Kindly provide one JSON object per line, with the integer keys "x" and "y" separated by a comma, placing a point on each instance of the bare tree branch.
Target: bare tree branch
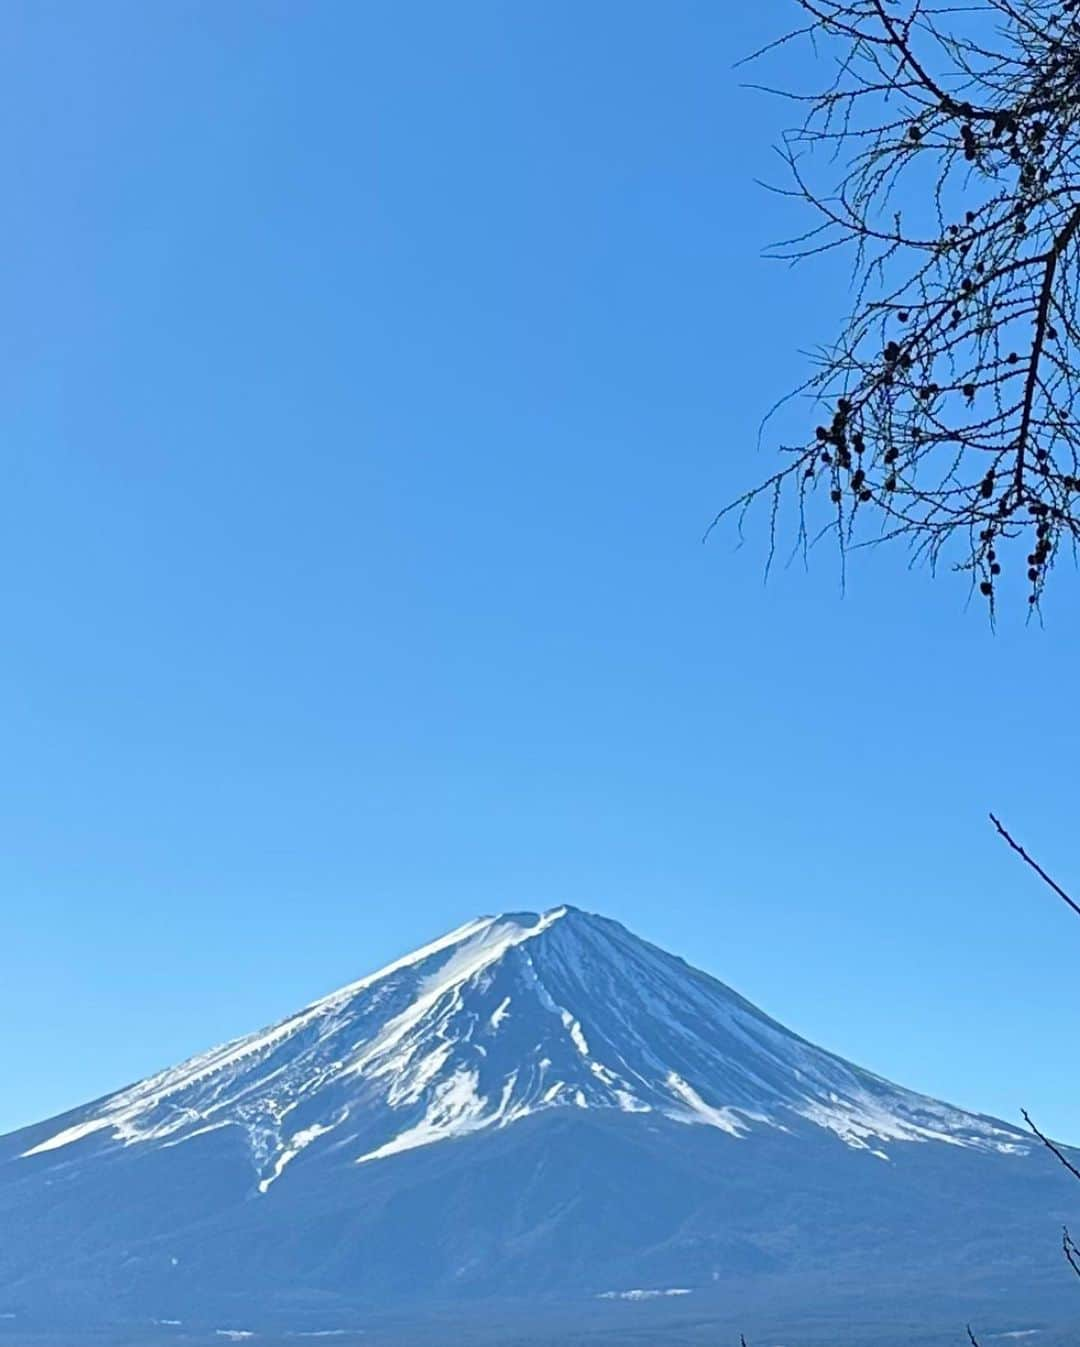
{"x": 1071, "y": 1251}
{"x": 1050, "y": 1146}
{"x": 949, "y": 403}
{"x": 1069, "y": 1247}
{"x": 1028, "y": 860}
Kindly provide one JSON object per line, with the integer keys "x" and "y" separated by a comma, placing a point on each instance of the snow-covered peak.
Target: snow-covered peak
{"x": 506, "y": 1017}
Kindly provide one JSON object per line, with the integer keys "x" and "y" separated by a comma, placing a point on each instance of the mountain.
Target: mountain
{"x": 538, "y": 1128}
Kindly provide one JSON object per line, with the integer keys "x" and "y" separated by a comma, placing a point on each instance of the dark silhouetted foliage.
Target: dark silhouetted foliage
{"x": 942, "y": 149}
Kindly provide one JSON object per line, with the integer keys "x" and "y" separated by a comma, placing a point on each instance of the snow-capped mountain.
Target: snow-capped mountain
{"x": 504, "y": 1018}
{"x": 601, "y": 1119}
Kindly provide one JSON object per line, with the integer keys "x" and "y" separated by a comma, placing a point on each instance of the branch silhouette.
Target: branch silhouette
{"x": 948, "y": 404}
{"x": 1034, "y": 864}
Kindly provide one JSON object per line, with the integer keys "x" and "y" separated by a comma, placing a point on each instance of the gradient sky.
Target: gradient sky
{"x": 369, "y": 375}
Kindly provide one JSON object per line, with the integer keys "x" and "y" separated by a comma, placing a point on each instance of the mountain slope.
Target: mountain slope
{"x": 531, "y": 1106}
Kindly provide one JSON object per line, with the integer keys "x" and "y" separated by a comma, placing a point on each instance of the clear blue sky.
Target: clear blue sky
{"x": 369, "y": 374}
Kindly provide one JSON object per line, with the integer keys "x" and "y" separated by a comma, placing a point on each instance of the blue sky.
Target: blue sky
{"x": 369, "y": 375}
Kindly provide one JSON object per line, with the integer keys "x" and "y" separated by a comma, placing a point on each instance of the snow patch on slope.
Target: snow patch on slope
{"x": 637, "y": 1294}
{"x": 699, "y": 1112}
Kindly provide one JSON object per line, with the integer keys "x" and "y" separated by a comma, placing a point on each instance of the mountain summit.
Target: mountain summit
{"x": 532, "y": 1106}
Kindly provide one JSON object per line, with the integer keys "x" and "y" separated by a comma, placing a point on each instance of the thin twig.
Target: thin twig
{"x": 1070, "y": 1250}
{"x": 1028, "y": 860}
{"x": 1050, "y": 1146}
